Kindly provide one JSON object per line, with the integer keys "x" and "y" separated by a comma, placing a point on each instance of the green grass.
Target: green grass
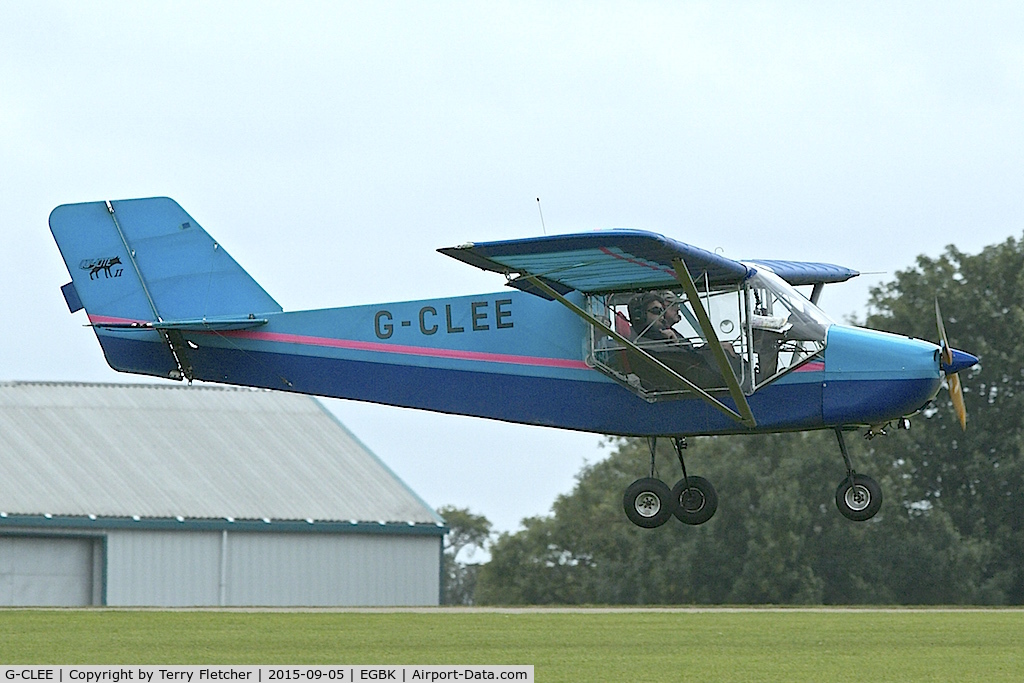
{"x": 744, "y": 645}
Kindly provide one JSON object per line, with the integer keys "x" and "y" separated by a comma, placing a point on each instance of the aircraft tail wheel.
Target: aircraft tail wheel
{"x": 860, "y": 498}
{"x": 697, "y": 502}
{"x": 648, "y": 502}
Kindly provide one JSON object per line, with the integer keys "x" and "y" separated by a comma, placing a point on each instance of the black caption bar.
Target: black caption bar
{"x": 120, "y": 673}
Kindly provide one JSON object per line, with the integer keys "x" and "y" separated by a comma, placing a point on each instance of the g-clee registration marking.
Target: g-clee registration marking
{"x": 483, "y": 316}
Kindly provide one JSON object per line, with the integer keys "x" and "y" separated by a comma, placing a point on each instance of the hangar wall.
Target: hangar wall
{"x": 177, "y": 568}
{"x": 182, "y": 568}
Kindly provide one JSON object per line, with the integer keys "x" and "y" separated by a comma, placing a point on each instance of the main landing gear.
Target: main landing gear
{"x": 649, "y": 502}
{"x": 858, "y": 497}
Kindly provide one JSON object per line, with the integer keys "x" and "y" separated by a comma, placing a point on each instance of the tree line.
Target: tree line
{"x": 951, "y": 527}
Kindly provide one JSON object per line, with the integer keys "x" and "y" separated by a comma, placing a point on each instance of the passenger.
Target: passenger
{"x": 672, "y": 316}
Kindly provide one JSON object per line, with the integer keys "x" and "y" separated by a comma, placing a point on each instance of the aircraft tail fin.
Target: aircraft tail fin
{"x": 146, "y": 265}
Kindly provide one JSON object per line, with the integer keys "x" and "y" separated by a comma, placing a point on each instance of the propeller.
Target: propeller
{"x": 951, "y": 368}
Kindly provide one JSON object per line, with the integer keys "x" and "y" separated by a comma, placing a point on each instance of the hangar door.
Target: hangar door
{"x": 50, "y": 570}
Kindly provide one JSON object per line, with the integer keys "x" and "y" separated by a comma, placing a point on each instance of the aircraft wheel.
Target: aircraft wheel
{"x": 697, "y": 503}
{"x": 860, "y": 499}
{"x": 648, "y": 502}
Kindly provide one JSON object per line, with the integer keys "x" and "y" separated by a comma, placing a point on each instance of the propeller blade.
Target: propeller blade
{"x": 956, "y": 390}
{"x": 947, "y": 352}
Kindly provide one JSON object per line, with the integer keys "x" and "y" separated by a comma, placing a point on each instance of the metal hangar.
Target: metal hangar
{"x": 139, "y": 494}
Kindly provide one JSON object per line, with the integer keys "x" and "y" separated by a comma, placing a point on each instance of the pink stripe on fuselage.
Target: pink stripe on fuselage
{"x": 375, "y": 347}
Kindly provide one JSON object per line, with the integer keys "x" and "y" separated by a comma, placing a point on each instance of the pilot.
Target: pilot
{"x": 653, "y": 316}
{"x": 647, "y": 317}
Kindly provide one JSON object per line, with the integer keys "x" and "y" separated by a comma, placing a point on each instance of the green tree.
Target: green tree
{"x": 977, "y": 477}
{"x": 466, "y": 531}
{"x": 777, "y": 537}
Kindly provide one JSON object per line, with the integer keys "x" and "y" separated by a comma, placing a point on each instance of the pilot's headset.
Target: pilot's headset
{"x": 637, "y": 308}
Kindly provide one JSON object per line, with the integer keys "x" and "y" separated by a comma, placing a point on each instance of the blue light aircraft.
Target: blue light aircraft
{"x": 621, "y": 332}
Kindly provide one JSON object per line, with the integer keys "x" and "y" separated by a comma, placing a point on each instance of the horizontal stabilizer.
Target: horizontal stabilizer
{"x": 196, "y": 325}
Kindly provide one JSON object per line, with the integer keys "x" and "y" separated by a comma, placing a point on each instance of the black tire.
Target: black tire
{"x": 648, "y": 502}
{"x": 860, "y": 499}
{"x": 696, "y": 504}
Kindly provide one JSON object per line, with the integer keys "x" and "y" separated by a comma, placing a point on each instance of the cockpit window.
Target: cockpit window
{"x": 765, "y": 327}
{"x": 787, "y": 329}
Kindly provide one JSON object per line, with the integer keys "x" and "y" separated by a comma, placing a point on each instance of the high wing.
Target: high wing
{"x": 620, "y": 260}
{"x": 598, "y": 262}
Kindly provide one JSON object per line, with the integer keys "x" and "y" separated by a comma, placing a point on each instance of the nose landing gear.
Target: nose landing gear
{"x": 649, "y": 502}
{"x": 859, "y": 497}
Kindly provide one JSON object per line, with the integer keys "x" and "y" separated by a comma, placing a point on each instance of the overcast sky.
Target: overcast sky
{"x": 332, "y": 147}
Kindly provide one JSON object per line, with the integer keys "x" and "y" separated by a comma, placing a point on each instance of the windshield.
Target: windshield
{"x": 785, "y": 328}
{"x": 783, "y": 293}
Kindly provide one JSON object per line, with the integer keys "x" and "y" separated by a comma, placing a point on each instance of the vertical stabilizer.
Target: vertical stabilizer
{"x": 145, "y": 262}
{"x": 147, "y": 259}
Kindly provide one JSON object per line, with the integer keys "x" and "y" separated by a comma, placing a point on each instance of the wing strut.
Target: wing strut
{"x": 683, "y": 275}
{"x": 643, "y": 357}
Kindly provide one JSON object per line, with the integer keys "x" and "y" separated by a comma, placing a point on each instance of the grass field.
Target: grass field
{"x": 588, "y": 645}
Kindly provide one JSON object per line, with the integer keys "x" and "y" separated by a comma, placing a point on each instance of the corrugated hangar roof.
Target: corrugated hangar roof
{"x": 156, "y": 451}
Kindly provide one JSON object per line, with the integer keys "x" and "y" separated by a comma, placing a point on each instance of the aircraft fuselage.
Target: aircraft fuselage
{"x": 516, "y": 357}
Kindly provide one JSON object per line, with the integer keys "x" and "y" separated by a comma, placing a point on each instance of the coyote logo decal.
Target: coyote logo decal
{"x": 95, "y": 266}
